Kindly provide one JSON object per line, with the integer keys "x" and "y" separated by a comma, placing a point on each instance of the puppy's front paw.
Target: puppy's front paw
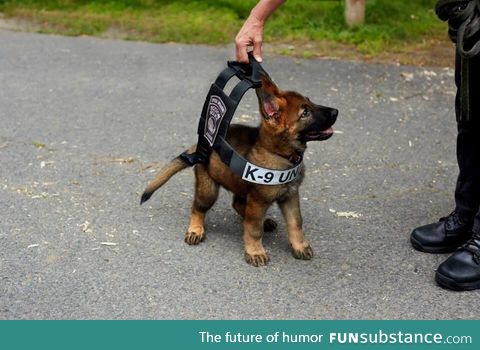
{"x": 269, "y": 225}
{"x": 194, "y": 238}
{"x": 257, "y": 259}
{"x": 305, "y": 253}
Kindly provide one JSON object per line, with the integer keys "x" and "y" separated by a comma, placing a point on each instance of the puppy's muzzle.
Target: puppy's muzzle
{"x": 321, "y": 128}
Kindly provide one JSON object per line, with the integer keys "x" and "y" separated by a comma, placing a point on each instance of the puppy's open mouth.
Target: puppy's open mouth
{"x": 319, "y": 135}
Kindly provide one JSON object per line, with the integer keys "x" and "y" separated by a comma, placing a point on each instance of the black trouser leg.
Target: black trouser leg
{"x": 467, "y": 192}
{"x": 455, "y": 230}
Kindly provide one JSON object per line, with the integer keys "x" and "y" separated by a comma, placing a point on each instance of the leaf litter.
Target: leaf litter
{"x": 345, "y": 214}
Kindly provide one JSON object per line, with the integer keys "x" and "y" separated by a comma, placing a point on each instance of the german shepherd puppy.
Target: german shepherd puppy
{"x": 289, "y": 121}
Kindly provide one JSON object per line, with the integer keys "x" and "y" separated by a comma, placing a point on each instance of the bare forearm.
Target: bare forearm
{"x": 265, "y": 8}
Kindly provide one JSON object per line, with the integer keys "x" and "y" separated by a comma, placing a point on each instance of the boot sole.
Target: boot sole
{"x": 449, "y": 283}
{"x": 434, "y": 250}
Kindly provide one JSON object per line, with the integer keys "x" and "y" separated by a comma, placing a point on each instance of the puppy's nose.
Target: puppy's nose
{"x": 333, "y": 115}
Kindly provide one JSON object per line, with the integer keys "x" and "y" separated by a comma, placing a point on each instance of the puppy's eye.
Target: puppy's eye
{"x": 305, "y": 113}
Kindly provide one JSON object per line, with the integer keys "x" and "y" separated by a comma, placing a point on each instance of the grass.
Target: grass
{"x": 391, "y": 25}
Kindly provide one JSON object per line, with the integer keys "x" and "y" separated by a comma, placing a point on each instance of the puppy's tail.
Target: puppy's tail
{"x": 165, "y": 174}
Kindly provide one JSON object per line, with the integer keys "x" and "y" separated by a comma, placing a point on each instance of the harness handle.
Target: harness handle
{"x": 248, "y": 71}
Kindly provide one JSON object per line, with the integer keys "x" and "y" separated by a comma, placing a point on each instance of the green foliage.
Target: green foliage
{"x": 217, "y": 21}
{"x": 387, "y": 21}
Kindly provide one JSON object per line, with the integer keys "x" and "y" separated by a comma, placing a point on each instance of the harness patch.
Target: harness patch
{"x": 215, "y": 113}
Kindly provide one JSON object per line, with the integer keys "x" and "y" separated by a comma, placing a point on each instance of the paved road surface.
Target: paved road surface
{"x": 85, "y": 123}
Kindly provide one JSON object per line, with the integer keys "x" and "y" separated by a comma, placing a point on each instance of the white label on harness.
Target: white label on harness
{"x": 215, "y": 113}
{"x": 263, "y": 176}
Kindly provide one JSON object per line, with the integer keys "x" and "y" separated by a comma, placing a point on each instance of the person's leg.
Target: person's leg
{"x": 461, "y": 271}
{"x": 451, "y": 232}
{"x": 467, "y": 193}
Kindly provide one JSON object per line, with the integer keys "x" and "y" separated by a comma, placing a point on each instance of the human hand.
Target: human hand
{"x": 251, "y": 34}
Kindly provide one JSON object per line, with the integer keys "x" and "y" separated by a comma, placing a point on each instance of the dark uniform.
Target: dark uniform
{"x": 467, "y": 193}
{"x": 460, "y": 231}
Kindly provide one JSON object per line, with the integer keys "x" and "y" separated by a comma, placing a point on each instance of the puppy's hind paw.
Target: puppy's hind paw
{"x": 269, "y": 225}
{"x": 303, "y": 254}
{"x": 257, "y": 259}
{"x": 194, "y": 238}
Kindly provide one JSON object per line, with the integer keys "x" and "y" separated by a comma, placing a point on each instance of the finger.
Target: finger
{"x": 241, "y": 52}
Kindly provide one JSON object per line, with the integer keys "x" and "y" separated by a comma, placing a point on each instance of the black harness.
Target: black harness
{"x": 215, "y": 119}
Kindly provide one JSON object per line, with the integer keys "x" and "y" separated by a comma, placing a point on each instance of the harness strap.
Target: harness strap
{"x": 251, "y": 172}
{"x": 464, "y": 90}
{"x": 224, "y": 77}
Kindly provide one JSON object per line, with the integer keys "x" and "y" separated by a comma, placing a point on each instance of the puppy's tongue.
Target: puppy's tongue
{"x": 327, "y": 132}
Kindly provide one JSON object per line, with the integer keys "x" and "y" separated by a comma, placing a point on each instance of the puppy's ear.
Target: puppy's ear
{"x": 268, "y": 98}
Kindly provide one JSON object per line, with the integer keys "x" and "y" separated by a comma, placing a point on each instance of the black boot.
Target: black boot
{"x": 444, "y": 236}
{"x": 461, "y": 271}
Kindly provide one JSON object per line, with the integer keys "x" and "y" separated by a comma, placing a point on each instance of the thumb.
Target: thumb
{"x": 257, "y": 50}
